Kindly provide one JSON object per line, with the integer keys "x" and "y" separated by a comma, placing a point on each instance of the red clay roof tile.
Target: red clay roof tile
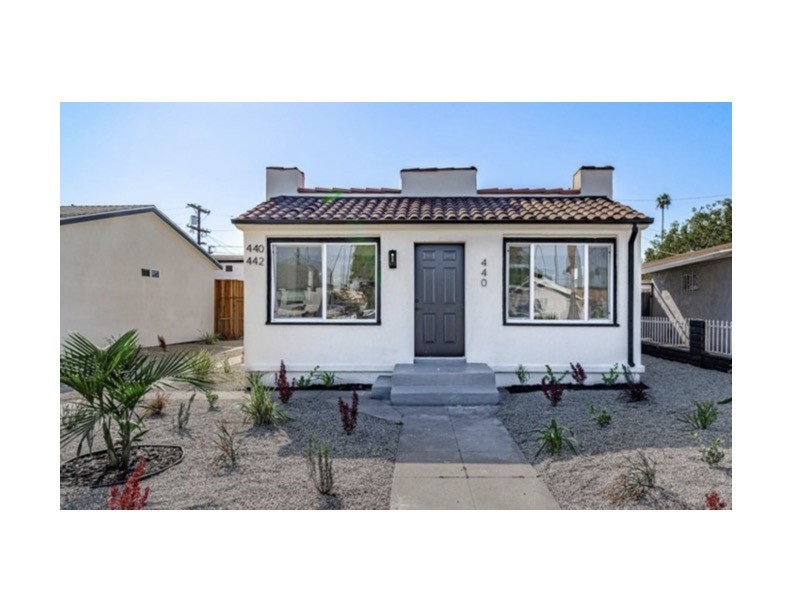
{"x": 517, "y": 209}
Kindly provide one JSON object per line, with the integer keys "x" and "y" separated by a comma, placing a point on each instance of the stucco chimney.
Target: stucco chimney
{"x": 283, "y": 181}
{"x": 594, "y": 181}
{"x": 439, "y": 181}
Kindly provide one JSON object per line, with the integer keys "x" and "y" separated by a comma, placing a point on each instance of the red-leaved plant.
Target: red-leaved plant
{"x": 713, "y": 501}
{"x": 578, "y": 373}
{"x": 129, "y": 498}
{"x": 349, "y": 413}
{"x": 285, "y": 388}
{"x": 552, "y": 391}
{"x": 552, "y": 386}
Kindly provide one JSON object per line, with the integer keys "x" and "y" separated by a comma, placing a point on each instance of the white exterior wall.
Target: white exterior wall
{"x": 103, "y": 293}
{"x": 237, "y": 273}
{"x": 360, "y": 352}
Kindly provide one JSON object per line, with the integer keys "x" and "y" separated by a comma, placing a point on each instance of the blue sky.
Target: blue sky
{"x": 215, "y": 154}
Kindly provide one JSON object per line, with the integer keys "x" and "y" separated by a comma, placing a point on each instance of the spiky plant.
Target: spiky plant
{"x": 554, "y": 437}
{"x": 705, "y": 414}
{"x": 260, "y": 408}
{"x": 320, "y": 466}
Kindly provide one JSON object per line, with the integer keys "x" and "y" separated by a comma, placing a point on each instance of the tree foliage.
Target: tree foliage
{"x": 709, "y": 226}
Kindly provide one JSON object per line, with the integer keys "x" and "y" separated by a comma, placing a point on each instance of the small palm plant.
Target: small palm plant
{"x": 112, "y": 382}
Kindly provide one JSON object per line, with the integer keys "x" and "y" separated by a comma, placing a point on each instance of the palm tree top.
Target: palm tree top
{"x": 663, "y": 201}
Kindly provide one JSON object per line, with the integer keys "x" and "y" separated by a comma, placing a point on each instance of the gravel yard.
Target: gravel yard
{"x": 271, "y": 472}
{"x": 582, "y": 481}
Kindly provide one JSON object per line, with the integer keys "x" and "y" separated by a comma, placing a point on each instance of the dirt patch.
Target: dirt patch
{"x": 91, "y": 469}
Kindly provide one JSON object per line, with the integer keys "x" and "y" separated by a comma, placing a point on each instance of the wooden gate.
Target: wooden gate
{"x": 229, "y": 308}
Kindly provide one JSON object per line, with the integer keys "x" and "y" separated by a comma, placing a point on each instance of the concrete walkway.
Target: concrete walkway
{"x": 462, "y": 458}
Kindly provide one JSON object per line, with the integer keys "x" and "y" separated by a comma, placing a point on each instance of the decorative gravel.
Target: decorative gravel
{"x": 271, "y": 472}
{"x": 582, "y": 481}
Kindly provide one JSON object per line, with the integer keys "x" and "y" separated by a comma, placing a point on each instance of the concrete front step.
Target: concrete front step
{"x": 438, "y": 373}
{"x": 381, "y": 388}
{"x": 444, "y": 395}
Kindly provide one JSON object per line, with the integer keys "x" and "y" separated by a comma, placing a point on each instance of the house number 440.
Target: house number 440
{"x": 483, "y": 272}
{"x": 253, "y": 260}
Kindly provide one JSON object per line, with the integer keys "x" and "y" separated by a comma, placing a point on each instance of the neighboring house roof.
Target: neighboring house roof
{"x": 685, "y": 259}
{"x": 79, "y": 214}
{"x": 462, "y": 209}
{"x": 81, "y": 211}
{"x": 228, "y": 258}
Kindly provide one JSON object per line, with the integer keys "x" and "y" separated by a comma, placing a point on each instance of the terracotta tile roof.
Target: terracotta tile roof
{"x": 721, "y": 250}
{"x": 316, "y": 210}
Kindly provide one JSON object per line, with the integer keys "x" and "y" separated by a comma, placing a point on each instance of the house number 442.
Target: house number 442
{"x": 483, "y": 272}
{"x": 253, "y": 260}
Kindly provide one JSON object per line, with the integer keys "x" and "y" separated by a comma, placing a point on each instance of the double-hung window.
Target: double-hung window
{"x": 560, "y": 281}
{"x": 331, "y": 281}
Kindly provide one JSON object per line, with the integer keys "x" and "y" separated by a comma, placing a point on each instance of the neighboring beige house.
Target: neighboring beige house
{"x": 357, "y": 280}
{"x": 130, "y": 267}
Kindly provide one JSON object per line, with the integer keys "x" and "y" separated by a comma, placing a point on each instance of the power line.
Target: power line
{"x": 720, "y": 195}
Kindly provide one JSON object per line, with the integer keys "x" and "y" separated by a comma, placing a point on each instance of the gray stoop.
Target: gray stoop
{"x": 381, "y": 389}
{"x": 440, "y": 382}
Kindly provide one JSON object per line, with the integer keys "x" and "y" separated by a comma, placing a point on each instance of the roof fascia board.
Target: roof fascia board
{"x": 650, "y": 267}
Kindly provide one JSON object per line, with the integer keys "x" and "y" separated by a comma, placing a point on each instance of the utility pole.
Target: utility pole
{"x": 195, "y": 221}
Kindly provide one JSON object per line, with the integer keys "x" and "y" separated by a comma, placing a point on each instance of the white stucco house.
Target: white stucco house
{"x": 362, "y": 281}
{"x": 130, "y": 267}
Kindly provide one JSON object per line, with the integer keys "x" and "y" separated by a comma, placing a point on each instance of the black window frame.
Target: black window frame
{"x": 320, "y": 241}
{"x": 550, "y": 322}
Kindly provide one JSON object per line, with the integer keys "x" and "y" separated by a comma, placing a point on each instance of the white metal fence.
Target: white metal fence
{"x": 660, "y": 330}
{"x": 718, "y": 337}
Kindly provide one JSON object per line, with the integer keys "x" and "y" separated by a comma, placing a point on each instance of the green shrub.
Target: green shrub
{"x": 207, "y": 337}
{"x": 328, "y": 378}
{"x": 522, "y": 374}
{"x": 611, "y": 376}
{"x": 554, "y": 437}
{"x": 712, "y": 453}
{"x": 212, "y": 399}
{"x": 260, "y": 408}
{"x": 601, "y": 418}
{"x": 320, "y": 466}
{"x": 226, "y": 366}
{"x": 705, "y": 415}
{"x": 305, "y": 381}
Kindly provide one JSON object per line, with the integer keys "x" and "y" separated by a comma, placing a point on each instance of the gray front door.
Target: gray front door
{"x": 439, "y": 300}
